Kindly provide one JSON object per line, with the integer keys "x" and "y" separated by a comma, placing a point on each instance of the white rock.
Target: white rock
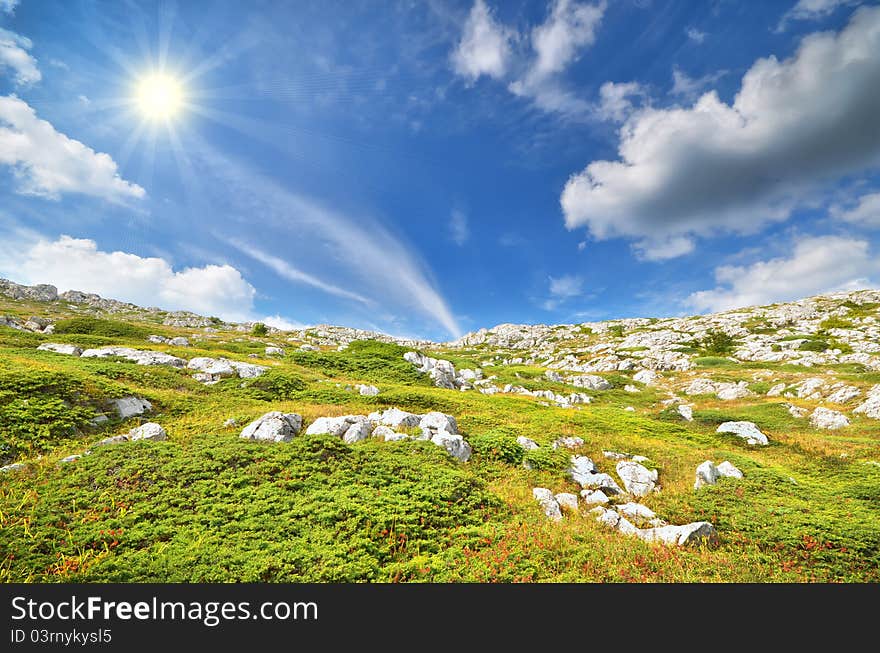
{"x": 215, "y": 368}
{"x": 776, "y": 390}
{"x": 594, "y": 497}
{"x": 637, "y": 479}
{"x": 746, "y": 430}
{"x": 631, "y": 389}
{"x": 70, "y": 459}
{"x": 636, "y": 513}
{"x": 130, "y": 406}
{"x": 114, "y": 439}
{"x": 871, "y": 407}
{"x": 526, "y": 443}
{"x": 358, "y": 431}
{"x": 602, "y": 482}
{"x": 630, "y": 409}
{"x": 337, "y": 426}
{"x": 645, "y": 376}
{"x": 274, "y": 351}
{"x": 548, "y": 503}
{"x": 139, "y": 356}
{"x": 14, "y": 467}
{"x": 728, "y": 470}
{"x": 555, "y": 377}
{"x": 796, "y": 411}
{"x": 692, "y": 534}
{"x": 179, "y": 341}
{"x": 824, "y": 418}
{"x": 148, "y": 431}
{"x": 395, "y": 418}
{"x": 274, "y": 426}
{"x": 367, "y": 390}
{"x": 454, "y": 443}
{"x": 58, "y": 348}
{"x": 581, "y": 468}
{"x": 567, "y": 501}
{"x": 707, "y": 474}
{"x": 843, "y": 395}
{"x": 731, "y": 391}
{"x": 569, "y": 442}
{"x": 436, "y": 421}
{"x": 590, "y": 381}
{"x": 686, "y": 412}
{"x": 157, "y": 340}
{"x": 388, "y": 434}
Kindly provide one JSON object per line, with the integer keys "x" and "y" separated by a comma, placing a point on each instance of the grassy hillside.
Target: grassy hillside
{"x": 207, "y": 506}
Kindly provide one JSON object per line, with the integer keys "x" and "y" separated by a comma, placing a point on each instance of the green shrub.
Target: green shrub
{"x": 616, "y": 330}
{"x": 716, "y": 343}
{"x": 814, "y": 345}
{"x": 274, "y": 385}
{"x": 545, "y": 458}
{"x": 835, "y": 322}
{"x": 99, "y": 327}
{"x": 364, "y": 360}
{"x": 260, "y": 329}
{"x": 497, "y": 444}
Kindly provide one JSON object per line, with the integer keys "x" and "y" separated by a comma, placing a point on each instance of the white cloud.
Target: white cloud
{"x": 813, "y": 10}
{"x": 459, "y": 229}
{"x": 695, "y": 35}
{"x": 714, "y": 167}
{"x": 282, "y": 323}
{"x": 284, "y": 269}
{"x": 78, "y": 264}
{"x": 14, "y": 55}
{"x": 614, "y": 100}
{"x": 817, "y": 265}
{"x": 484, "y": 48}
{"x": 8, "y": 6}
{"x": 689, "y": 88}
{"x": 562, "y": 289}
{"x": 47, "y": 163}
{"x": 662, "y": 249}
{"x": 865, "y": 212}
{"x": 557, "y": 42}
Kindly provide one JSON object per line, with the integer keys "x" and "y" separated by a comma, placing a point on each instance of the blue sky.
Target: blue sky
{"x": 430, "y": 168}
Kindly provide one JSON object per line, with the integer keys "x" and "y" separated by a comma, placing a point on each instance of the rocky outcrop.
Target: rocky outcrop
{"x": 708, "y": 473}
{"x": 825, "y": 418}
{"x": 274, "y": 426}
{"x": 638, "y": 480}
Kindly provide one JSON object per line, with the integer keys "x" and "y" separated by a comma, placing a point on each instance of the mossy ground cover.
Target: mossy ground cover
{"x": 207, "y": 506}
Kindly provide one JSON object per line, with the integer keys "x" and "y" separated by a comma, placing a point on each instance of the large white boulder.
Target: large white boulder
{"x": 130, "y": 406}
{"x": 748, "y": 431}
{"x": 591, "y": 381}
{"x": 638, "y": 480}
{"x": 58, "y": 348}
{"x": 567, "y": 501}
{"x": 436, "y": 421}
{"x": 274, "y": 426}
{"x": 707, "y": 474}
{"x": 581, "y": 469}
{"x": 825, "y": 418}
{"x": 526, "y": 443}
{"x": 148, "y": 431}
{"x": 729, "y": 470}
{"x": 337, "y": 426}
{"x": 454, "y": 443}
{"x": 395, "y": 418}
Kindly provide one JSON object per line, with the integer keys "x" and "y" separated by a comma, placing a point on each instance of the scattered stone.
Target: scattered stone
{"x": 436, "y": 421}
{"x": 388, "y": 434}
{"x": 594, "y": 497}
{"x": 825, "y": 418}
{"x": 274, "y": 351}
{"x": 630, "y": 409}
{"x": 148, "y": 431}
{"x": 707, "y": 474}
{"x": 548, "y": 503}
{"x": 646, "y": 377}
{"x": 139, "y": 356}
{"x": 230, "y": 423}
{"x": 58, "y": 348}
{"x": 631, "y": 389}
{"x": 729, "y": 470}
{"x": 555, "y": 377}
{"x": 367, "y": 390}
{"x": 871, "y": 407}
{"x": 70, "y": 459}
{"x": 274, "y": 426}
{"x": 395, "y": 418}
{"x": 130, "y": 406}
{"x": 336, "y": 426}
{"x": 694, "y": 534}
{"x": 843, "y": 395}
{"x": 569, "y": 442}
{"x": 179, "y": 341}
{"x": 686, "y": 412}
{"x": 746, "y": 430}
{"x": 14, "y": 467}
{"x": 776, "y": 390}
{"x": 590, "y": 381}
{"x": 637, "y": 479}
{"x": 639, "y": 515}
{"x": 526, "y": 443}
{"x": 582, "y": 468}
{"x": 567, "y": 501}
{"x": 796, "y": 411}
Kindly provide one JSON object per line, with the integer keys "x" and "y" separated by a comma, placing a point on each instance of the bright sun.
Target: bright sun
{"x": 159, "y": 96}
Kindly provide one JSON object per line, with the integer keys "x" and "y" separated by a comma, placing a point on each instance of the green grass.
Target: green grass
{"x": 207, "y": 506}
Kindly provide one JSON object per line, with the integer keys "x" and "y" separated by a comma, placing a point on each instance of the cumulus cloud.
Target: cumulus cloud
{"x": 484, "y": 48}
{"x": 78, "y": 264}
{"x": 282, "y": 323}
{"x": 813, "y": 10}
{"x": 818, "y": 265}
{"x": 614, "y": 100}
{"x": 14, "y": 56}
{"x": 47, "y": 163}
{"x": 459, "y": 230}
{"x": 717, "y": 167}
{"x": 688, "y": 87}
{"x": 569, "y": 28}
{"x": 865, "y": 212}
